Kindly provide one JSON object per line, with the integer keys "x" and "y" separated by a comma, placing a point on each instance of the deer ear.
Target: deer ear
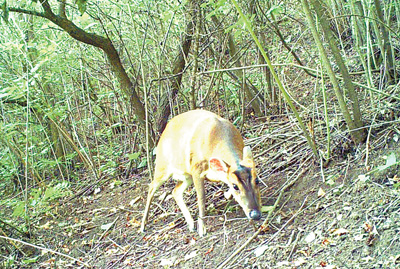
{"x": 217, "y": 165}
{"x": 247, "y": 155}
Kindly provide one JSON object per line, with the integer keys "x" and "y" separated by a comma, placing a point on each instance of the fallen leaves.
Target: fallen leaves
{"x": 209, "y": 250}
{"x": 339, "y": 231}
{"x": 321, "y": 193}
{"x": 310, "y": 238}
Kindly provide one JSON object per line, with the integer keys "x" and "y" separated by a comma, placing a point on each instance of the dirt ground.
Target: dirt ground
{"x": 338, "y": 215}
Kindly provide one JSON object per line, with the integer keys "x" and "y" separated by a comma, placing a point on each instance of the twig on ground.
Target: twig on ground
{"x": 114, "y": 264}
{"x": 45, "y": 249}
{"x": 100, "y": 181}
{"x": 294, "y": 245}
{"x": 112, "y": 224}
{"x": 12, "y": 243}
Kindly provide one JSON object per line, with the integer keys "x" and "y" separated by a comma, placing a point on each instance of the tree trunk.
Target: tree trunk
{"x": 164, "y": 109}
{"x": 249, "y": 90}
{"x": 358, "y": 135}
{"x": 197, "y": 22}
{"x": 386, "y": 50}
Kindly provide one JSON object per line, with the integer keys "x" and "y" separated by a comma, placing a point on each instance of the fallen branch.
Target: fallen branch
{"x": 45, "y": 249}
{"x": 108, "y": 228}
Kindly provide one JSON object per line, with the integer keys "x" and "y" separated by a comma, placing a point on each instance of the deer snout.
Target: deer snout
{"x": 255, "y": 214}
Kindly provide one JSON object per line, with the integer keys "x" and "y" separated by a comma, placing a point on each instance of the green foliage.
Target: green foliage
{"x": 62, "y": 189}
{"x": 143, "y": 163}
{"x": 7, "y": 167}
{"x": 19, "y": 209}
{"x": 82, "y": 5}
{"x": 63, "y": 114}
{"x": 275, "y": 10}
{"x": 390, "y": 161}
{"x": 216, "y": 7}
{"x": 133, "y": 156}
{"x": 8, "y": 262}
{"x": 40, "y": 200}
{"x": 31, "y": 260}
{"x": 5, "y": 12}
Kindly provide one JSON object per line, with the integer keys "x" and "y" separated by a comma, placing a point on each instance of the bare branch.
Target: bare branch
{"x": 25, "y": 11}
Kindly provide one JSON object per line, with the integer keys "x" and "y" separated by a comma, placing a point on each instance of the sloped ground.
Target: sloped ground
{"x": 334, "y": 217}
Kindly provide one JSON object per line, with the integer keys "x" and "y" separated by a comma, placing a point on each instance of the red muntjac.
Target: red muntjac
{"x": 199, "y": 145}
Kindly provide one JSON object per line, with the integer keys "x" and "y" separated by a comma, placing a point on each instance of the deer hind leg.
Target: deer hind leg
{"x": 159, "y": 178}
{"x": 200, "y": 191}
{"x": 184, "y": 181}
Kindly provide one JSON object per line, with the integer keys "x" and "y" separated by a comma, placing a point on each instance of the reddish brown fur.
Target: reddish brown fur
{"x": 186, "y": 146}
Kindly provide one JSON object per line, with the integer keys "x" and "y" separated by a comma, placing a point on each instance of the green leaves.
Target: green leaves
{"x": 81, "y": 5}
{"x": 390, "y": 160}
{"x": 40, "y": 200}
{"x": 5, "y": 12}
{"x": 133, "y": 156}
{"x": 31, "y": 260}
{"x": 275, "y": 10}
{"x": 216, "y": 7}
{"x": 19, "y": 209}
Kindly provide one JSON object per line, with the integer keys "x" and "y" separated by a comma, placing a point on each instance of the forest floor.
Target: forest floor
{"x": 341, "y": 215}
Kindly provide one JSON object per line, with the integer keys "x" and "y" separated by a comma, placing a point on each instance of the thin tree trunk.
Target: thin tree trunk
{"x": 348, "y": 83}
{"x": 197, "y": 22}
{"x": 389, "y": 64}
{"x": 251, "y": 97}
{"x": 164, "y": 109}
{"x": 61, "y": 8}
{"x": 249, "y": 90}
{"x": 358, "y": 135}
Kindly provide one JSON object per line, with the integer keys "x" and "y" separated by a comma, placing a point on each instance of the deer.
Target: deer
{"x": 199, "y": 145}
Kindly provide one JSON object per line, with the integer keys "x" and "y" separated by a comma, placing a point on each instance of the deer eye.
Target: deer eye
{"x": 235, "y": 187}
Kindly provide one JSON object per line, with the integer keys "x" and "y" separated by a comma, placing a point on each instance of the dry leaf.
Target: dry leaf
{"x": 310, "y": 237}
{"x": 168, "y": 262}
{"x": 367, "y": 227}
{"x": 299, "y": 261}
{"x": 134, "y": 222}
{"x": 210, "y": 250}
{"x": 321, "y": 192}
{"x": 340, "y": 231}
{"x": 191, "y": 255}
{"x": 326, "y": 242}
{"x": 133, "y": 201}
{"x": 260, "y": 250}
